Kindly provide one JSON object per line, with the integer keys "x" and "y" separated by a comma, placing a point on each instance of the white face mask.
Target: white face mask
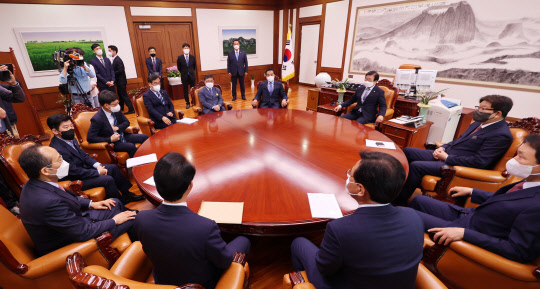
{"x": 156, "y": 87}
{"x": 115, "y": 108}
{"x": 209, "y": 84}
{"x": 99, "y": 52}
{"x": 236, "y": 47}
{"x": 514, "y": 168}
{"x": 186, "y": 51}
{"x": 368, "y": 83}
{"x": 270, "y": 78}
{"x": 109, "y": 54}
{"x": 62, "y": 171}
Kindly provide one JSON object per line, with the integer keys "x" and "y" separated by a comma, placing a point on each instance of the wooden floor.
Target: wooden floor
{"x": 269, "y": 257}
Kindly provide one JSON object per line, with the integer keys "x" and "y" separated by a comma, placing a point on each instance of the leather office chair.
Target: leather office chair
{"x": 134, "y": 269}
{"x": 285, "y": 87}
{"x": 465, "y": 266}
{"x": 143, "y": 118}
{"x": 488, "y": 180}
{"x": 197, "y": 106}
{"x": 21, "y": 268}
{"x": 424, "y": 280}
{"x": 10, "y": 150}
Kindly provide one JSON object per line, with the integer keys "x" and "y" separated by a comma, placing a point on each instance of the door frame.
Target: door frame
{"x": 298, "y": 57}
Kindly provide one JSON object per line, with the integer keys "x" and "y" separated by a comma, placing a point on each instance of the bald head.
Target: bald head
{"x": 36, "y": 161}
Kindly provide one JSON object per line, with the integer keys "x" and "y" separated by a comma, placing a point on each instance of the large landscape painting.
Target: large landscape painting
{"x": 478, "y": 40}
{"x": 247, "y": 36}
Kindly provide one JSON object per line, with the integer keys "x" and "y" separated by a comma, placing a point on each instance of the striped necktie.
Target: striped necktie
{"x": 122, "y": 139}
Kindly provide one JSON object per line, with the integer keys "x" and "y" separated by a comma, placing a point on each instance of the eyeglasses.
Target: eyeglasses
{"x": 61, "y": 160}
{"x": 348, "y": 172}
{"x": 483, "y": 109}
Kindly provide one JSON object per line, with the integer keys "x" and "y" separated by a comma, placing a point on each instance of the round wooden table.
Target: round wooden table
{"x": 267, "y": 158}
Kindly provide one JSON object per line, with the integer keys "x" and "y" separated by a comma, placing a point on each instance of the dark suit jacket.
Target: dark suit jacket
{"x": 210, "y": 99}
{"x": 8, "y": 95}
{"x": 101, "y": 130}
{"x": 375, "y": 99}
{"x": 186, "y": 69}
{"x": 506, "y": 224}
{"x": 119, "y": 71}
{"x": 376, "y": 247}
{"x": 271, "y": 101}
{"x": 183, "y": 246}
{"x": 150, "y": 66}
{"x": 483, "y": 149}
{"x": 80, "y": 163}
{"x": 156, "y": 109}
{"x": 53, "y": 218}
{"x": 237, "y": 67}
{"x": 103, "y": 74}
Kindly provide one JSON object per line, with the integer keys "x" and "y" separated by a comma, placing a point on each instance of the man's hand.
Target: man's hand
{"x": 124, "y": 217}
{"x": 12, "y": 80}
{"x": 166, "y": 120}
{"x": 337, "y": 108}
{"x": 216, "y": 107}
{"x": 105, "y": 204}
{"x": 459, "y": 192}
{"x": 230, "y": 74}
{"x": 94, "y": 86}
{"x": 440, "y": 154}
{"x": 115, "y": 128}
{"x": 170, "y": 114}
{"x": 254, "y": 103}
{"x": 110, "y": 83}
{"x": 102, "y": 170}
{"x": 115, "y": 137}
{"x": 379, "y": 119}
{"x": 284, "y": 103}
{"x": 66, "y": 64}
{"x": 86, "y": 68}
{"x": 245, "y": 74}
{"x": 447, "y": 235}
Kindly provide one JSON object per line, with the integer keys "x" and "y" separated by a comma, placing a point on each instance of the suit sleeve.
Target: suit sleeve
{"x": 96, "y": 127}
{"x": 160, "y": 68}
{"x": 491, "y": 149}
{"x": 170, "y": 105}
{"x": 150, "y": 108}
{"x": 100, "y": 77}
{"x": 119, "y": 67}
{"x": 14, "y": 93}
{"x": 149, "y": 66}
{"x": 123, "y": 123}
{"x": 229, "y": 63}
{"x": 216, "y": 249}
{"x": 328, "y": 258}
{"x": 66, "y": 222}
{"x": 382, "y": 103}
{"x": 259, "y": 93}
{"x": 178, "y": 64}
{"x": 479, "y": 196}
{"x": 522, "y": 243}
{"x": 220, "y": 99}
{"x": 111, "y": 71}
{"x": 351, "y": 100}
{"x": 203, "y": 100}
{"x": 282, "y": 92}
{"x": 78, "y": 173}
{"x": 245, "y": 62}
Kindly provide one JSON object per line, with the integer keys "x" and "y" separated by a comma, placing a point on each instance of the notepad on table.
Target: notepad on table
{"x": 223, "y": 212}
{"x": 132, "y": 162}
{"x": 187, "y": 120}
{"x": 150, "y": 181}
{"x": 324, "y": 206}
{"x": 380, "y": 144}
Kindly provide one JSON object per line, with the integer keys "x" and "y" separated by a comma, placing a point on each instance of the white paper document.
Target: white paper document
{"x": 324, "y": 206}
{"x": 187, "y": 120}
{"x": 150, "y": 181}
{"x": 380, "y": 144}
{"x": 151, "y": 158}
{"x": 223, "y": 212}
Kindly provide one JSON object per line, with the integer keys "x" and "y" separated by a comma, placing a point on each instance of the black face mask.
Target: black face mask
{"x": 153, "y": 54}
{"x": 481, "y": 116}
{"x": 68, "y": 134}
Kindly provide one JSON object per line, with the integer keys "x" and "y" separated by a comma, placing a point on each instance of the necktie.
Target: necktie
{"x": 517, "y": 187}
{"x": 270, "y": 87}
{"x": 236, "y": 55}
{"x": 116, "y": 124}
{"x": 365, "y": 94}
{"x": 160, "y": 98}
{"x": 154, "y": 64}
{"x": 187, "y": 59}
{"x": 102, "y": 63}
{"x": 477, "y": 129}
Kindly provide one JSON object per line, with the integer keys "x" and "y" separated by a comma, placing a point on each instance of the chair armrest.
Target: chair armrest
{"x": 480, "y": 175}
{"x": 93, "y": 146}
{"x": 133, "y": 264}
{"x": 76, "y": 187}
{"x": 83, "y": 277}
{"x": 227, "y": 105}
{"x": 233, "y": 278}
{"x": 297, "y": 280}
{"x": 197, "y": 109}
{"x": 133, "y": 129}
{"x": 94, "y": 156}
{"x": 179, "y": 114}
{"x": 430, "y": 146}
{"x": 426, "y": 280}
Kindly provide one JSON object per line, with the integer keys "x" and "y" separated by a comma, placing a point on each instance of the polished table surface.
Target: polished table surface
{"x": 267, "y": 158}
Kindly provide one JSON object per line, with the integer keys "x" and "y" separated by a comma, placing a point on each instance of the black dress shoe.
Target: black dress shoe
{"x": 243, "y": 97}
{"x": 131, "y": 197}
{"x": 187, "y": 106}
{"x": 234, "y": 98}
{"x": 129, "y": 112}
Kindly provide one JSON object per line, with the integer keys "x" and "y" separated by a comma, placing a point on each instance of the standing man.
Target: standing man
{"x": 121, "y": 81}
{"x": 104, "y": 70}
{"x": 158, "y": 104}
{"x": 210, "y": 97}
{"x": 153, "y": 63}
{"x": 186, "y": 64}
{"x": 237, "y": 67}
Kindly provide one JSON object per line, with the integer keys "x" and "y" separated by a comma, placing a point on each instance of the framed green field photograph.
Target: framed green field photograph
{"x": 247, "y": 36}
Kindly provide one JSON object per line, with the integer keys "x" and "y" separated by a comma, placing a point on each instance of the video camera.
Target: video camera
{"x": 60, "y": 56}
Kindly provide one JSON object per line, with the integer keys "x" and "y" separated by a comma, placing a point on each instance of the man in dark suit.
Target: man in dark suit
{"x": 104, "y": 70}
{"x": 121, "y": 81}
{"x": 379, "y": 246}
{"x": 109, "y": 125}
{"x": 154, "y": 64}
{"x": 187, "y": 65}
{"x": 53, "y": 216}
{"x": 271, "y": 92}
{"x": 83, "y": 167}
{"x": 192, "y": 250}
{"x": 505, "y": 223}
{"x": 370, "y": 102}
{"x": 481, "y": 146}
{"x": 210, "y": 97}
{"x": 158, "y": 104}
{"x": 237, "y": 67}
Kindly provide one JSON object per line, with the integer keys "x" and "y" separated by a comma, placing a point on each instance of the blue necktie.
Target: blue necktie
{"x": 187, "y": 59}
{"x": 236, "y": 55}
{"x": 160, "y": 98}
{"x": 116, "y": 124}
{"x": 270, "y": 87}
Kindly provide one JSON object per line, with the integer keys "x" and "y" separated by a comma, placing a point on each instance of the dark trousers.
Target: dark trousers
{"x": 437, "y": 214}
{"x": 102, "y": 215}
{"x": 109, "y": 88}
{"x": 356, "y": 115}
{"x": 240, "y": 78}
{"x": 123, "y": 97}
{"x": 421, "y": 163}
{"x": 6, "y": 194}
{"x": 129, "y": 145}
{"x": 114, "y": 182}
{"x": 161, "y": 124}
{"x": 190, "y": 80}
{"x": 303, "y": 258}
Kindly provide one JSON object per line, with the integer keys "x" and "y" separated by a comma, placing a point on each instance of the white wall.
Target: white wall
{"x": 159, "y": 11}
{"x": 309, "y": 11}
{"x": 335, "y": 24}
{"x": 526, "y": 104}
{"x": 209, "y": 21}
{"x": 33, "y": 15}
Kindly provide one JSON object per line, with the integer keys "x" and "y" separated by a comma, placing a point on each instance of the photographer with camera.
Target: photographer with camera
{"x": 77, "y": 69}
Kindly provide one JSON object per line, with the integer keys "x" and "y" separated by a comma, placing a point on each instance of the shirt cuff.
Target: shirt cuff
{"x": 97, "y": 164}
{"x": 90, "y": 204}
{"x": 114, "y": 221}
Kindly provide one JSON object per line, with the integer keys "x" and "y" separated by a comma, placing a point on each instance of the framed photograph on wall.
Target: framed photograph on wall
{"x": 466, "y": 41}
{"x": 247, "y": 35}
{"x": 39, "y": 43}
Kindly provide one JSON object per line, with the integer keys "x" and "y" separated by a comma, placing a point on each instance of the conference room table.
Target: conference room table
{"x": 270, "y": 159}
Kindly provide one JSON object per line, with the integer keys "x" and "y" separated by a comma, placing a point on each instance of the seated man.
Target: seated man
{"x": 158, "y": 104}
{"x": 183, "y": 246}
{"x": 370, "y": 102}
{"x": 52, "y": 216}
{"x": 481, "y": 146}
{"x": 379, "y": 246}
{"x": 505, "y": 223}
{"x": 210, "y": 97}
{"x": 109, "y": 125}
{"x": 83, "y": 167}
{"x": 271, "y": 91}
